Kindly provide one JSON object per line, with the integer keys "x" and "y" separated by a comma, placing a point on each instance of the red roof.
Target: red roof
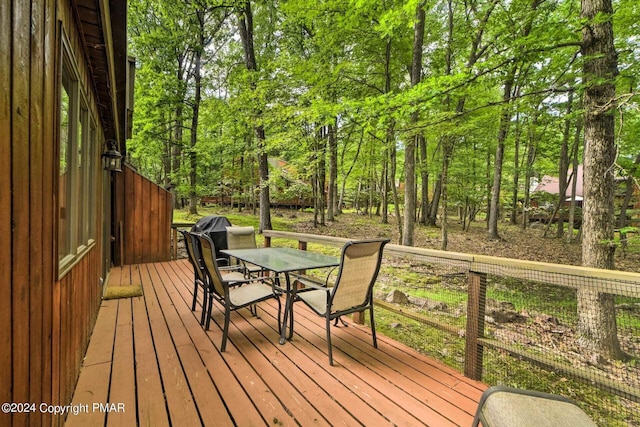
{"x": 551, "y": 184}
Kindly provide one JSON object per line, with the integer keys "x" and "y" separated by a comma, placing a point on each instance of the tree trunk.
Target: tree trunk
{"x": 371, "y": 180}
{"x": 347, "y": 173}
{"x": 596, "y": 311}
{"x": 505, "y": 121}
{"x": 176, "y": 154}
{"x": 574, "y": 183}
{"x": 410, "y": 148}
{"x": 320, "y": 174}
{"x": 333, "y": 172}
{"x": 384, "y": 187}
{"x": 503, "y": 130}
{"x": 435, "y": 201}
{"x": 393, "y": 160}
{"x": 528, "y": 171}
{"x": 444, "y": 179}
{"x": 245, "y": 24}
{"x": 516, "y": 173}
{"x": 389, "y": 137}
{"x": 563, "y": 168}
{"x": 424, "y": 181}
{"x": 193, "y": 157}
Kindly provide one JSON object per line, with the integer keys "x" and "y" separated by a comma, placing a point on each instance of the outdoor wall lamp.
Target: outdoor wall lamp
{"x": 112, "y": 159}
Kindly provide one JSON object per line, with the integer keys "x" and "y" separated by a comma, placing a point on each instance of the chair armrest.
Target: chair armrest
{"x": 312, "y": 281}
{"x": 235, "y": 282}
{"x": 231, "y": 268}
{"x": 309, "y": 283}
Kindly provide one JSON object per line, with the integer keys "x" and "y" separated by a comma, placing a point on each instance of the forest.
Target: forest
{"x": 437, "y": 107}
{"x": 413, "y": 111}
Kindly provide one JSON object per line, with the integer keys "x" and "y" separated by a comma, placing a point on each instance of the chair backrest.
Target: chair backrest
{"x": 208, "y": 251}
{"x": 241, "y": 237}
{"x": 359, "y": 266}
{"x": 194, "y": 254}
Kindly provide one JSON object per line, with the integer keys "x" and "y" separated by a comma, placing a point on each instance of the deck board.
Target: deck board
{"x": 150, "y": 402}
{"x": 123, "y": 386}
{"x": 180, "y": 403}
{"x": 151, "y": 354}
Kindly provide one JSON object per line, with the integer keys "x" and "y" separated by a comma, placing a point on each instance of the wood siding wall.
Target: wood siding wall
{"x": 46, "y": 320}
{"x": 144, "y": 223}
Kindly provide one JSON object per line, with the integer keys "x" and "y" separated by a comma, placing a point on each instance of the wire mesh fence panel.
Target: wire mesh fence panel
{"x": 536, "y": 341}
{"x": 424, "y": 304}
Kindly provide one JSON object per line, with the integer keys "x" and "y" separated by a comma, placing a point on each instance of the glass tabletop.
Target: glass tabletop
{"x": 282, "y": 260}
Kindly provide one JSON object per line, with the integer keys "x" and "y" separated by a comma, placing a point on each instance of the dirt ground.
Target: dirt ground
{"x": 529, "y": 244}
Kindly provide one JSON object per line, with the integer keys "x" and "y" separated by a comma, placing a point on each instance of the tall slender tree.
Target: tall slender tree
{"x": 245, "y": 26}
{"x": 410, "y": 195}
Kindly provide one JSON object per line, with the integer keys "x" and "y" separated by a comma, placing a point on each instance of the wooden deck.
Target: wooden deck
{"x": 154, "y": 365}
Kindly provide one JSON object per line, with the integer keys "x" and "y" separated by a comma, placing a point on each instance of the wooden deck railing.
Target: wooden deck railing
{"x": 174, "y": 236}
{"x": 477, "y": 269}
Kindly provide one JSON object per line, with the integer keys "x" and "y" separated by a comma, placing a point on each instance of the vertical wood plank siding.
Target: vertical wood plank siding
{"x": 36, "y": 206}
{"x": 146, "y": 220}
{"x": 46, "y": 320}
{"x": 6, "y": 335}
{"x": 20, "y": 184}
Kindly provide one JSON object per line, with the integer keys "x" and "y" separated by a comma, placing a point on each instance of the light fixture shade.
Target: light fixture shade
{"x": 112, "y": 159}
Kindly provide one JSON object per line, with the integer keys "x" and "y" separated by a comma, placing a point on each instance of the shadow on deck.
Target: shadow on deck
{"x": 150, "y": 362}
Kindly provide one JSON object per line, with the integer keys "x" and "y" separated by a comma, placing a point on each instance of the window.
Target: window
{"x": 78, "y": 173}
{"x": 68, "y": 139}
{"x": 92, "y": 167}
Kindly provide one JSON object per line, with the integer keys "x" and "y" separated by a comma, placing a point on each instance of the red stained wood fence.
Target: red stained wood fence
{"x": 142, "y": 223}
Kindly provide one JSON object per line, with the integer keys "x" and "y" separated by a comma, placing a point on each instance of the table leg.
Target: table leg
{"x": 288, "y": 311}
{"x": 292, "y": 292}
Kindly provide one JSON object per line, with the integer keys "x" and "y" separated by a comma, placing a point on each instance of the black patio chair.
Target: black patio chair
{"x": 352, "y": 290}
{"x": 199, "y": 276}
{"x": 243, "y": 238}
{"x": 232, "y": 290}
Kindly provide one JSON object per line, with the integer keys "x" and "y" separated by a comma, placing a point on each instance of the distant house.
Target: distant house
{"x": 544, "y": 195}
{"x": 551, "y": 185}
{"x": 285, "y": 189}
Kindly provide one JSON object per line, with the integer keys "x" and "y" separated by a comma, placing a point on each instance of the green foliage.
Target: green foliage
{"x": 325, "y": 62}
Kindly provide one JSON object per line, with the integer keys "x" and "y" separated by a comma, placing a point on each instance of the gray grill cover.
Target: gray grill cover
{"x": 214, "y": 226}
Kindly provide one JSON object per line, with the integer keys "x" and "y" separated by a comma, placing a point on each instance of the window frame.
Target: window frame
{"x": 77, "y": 213}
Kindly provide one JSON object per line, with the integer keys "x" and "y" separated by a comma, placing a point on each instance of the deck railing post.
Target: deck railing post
{"x": 358, "y": 317}
{"x": 174, "y": 234}
{"x": 303, "y": 247}
{"x": 267, "y": 241}
{"x": 475, "y": 325}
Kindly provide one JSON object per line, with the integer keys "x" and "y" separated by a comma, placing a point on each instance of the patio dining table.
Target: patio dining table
{"x": 283, "y": 261}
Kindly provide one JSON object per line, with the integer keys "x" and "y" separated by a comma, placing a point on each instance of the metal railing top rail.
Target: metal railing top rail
{"x": 623, "y": 282}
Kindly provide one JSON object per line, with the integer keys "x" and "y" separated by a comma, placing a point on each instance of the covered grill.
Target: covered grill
{"x": 214, "y": 226}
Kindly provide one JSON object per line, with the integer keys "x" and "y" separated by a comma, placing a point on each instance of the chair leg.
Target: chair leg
{"x": 209, "y": 310}
{"x": 329, "y": 340}
{"x": 195, "y": 294}
{"x": 225, "y": 330}
{"x": 373, "y": 327}
{"x": 339, "y": 319}
{"x": 205, "y": 300}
